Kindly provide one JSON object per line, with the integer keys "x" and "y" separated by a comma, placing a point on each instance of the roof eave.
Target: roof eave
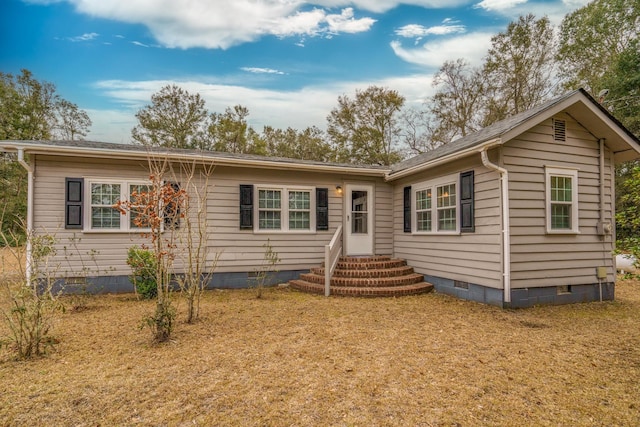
{"x": 445, "y": 159}
{"x": 35, "y": 148}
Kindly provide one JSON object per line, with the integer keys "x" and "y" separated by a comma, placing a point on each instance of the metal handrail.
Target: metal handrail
{"x": 332, "y": 253}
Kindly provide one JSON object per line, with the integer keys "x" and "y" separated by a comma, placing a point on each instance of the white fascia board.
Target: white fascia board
{"x": 445, "y": 159}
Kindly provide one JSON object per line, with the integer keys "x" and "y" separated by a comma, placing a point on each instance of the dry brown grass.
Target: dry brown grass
{"x": 11, "y": 260}
{"x": 296, "y": 359}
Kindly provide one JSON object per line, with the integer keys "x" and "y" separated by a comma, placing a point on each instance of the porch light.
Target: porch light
{"x": 339, "y": 189}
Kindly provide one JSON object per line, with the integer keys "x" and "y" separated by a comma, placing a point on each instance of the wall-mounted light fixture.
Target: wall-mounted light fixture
{"x": 339, "y": 189}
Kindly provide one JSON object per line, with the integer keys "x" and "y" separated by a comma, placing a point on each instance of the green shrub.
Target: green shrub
{"x": 143, "y": 266}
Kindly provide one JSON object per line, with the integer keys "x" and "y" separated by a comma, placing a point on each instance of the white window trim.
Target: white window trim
{"x": 550, "y": 171}
{"x": 284, "y": 209}
{"x": 124, "y": 195}
{"x": 433, "y": 185}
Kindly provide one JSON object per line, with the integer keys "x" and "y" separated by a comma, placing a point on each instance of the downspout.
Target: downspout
{"x": 602, "y": 189}
{"x": 602, "y": 226}
{"x": 29, "y": 230}
{"x": 602, "y": 210}
{"x": 506, "y": 239}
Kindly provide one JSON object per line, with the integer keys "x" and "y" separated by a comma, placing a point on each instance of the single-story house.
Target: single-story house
{"x": 517, "y": 214}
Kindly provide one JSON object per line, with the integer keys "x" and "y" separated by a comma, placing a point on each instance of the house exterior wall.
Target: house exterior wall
{"x": 78, "y": 253}
{"x": 540, "y": 259}
{"x": 473, "y": 257}
{"x": 240, "y": 251}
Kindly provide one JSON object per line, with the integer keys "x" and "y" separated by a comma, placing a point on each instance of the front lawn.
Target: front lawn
{"x": 297, "y": 359}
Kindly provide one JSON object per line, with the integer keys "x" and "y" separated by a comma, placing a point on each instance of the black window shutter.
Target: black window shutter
{"x": 172, "y": 210}
{"x": 246, "y": 207}
{"x": 322, "y": 209}
{"x": 407, "y": 209}
{"x": 73, "y": 202}
{"x": 467, "y": 221}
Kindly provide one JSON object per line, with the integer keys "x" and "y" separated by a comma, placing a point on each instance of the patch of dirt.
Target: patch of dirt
{"x": 297, "y": 359}
{"x": 11, "y": 261}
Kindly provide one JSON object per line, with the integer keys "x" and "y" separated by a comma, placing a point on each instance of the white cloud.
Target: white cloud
{"x": 346, "y": 23}
{"x": 494, "y": 5}
{"x": 280, "y": 109}
{"x": 555, "y": 11}
{"x": 380, "y": 6}
{"x": 111, "y": 125}
{"x": 416, "y": 31}
{"x": 575, "y": 4}
{"x": 259, "y": 70}
{"x": 137, "y": 43}
{"x": 472, "y": 47}
{"x": 83, "y": 38}
{"x": 223, "y": 23}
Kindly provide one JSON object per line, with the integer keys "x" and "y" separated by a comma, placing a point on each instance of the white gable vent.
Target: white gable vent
{"x": 559, "y": 130}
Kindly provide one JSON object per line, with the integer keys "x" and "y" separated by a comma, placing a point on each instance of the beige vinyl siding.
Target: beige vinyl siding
{"x": 541, "y": 259}
{"x": 470, "y": 257}
{"x": 383, "y": 243}
{"x": 79, "y": 253}
{"x": 240, "y": 250}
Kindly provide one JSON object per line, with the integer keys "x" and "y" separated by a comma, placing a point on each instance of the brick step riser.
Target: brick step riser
{"x": 365, "y": 258}
{"x": 364, "y": 282}
{"x": 374, "y": 265}
{"x": 362, "y": 292}
{"x": 391, "y": 272}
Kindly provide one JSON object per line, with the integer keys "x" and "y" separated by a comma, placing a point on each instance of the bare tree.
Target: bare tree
{"x": 72, "y": 123}
{"x": 198, "y": 264}
{"x": 519, "y": 68}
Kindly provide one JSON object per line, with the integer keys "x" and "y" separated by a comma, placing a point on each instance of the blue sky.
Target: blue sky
{"x": 287, "y": 61}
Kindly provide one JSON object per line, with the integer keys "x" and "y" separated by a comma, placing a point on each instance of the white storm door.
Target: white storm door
{"x": 359, "y": 219}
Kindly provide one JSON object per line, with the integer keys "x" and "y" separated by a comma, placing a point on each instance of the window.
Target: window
{"x": 447, "y": 207}
{"x": 103, "y": 194}
{"x": 285, "y": 209}
{"x": 270, "y": 209}
{"x": 103, "y": 197}
{"x": 439, "y": 215}
{"x": 299, "y": 210}
{"x": 423, "y": 210}
{"x": 138, "y": 193}
{"x": 561, "y": 200}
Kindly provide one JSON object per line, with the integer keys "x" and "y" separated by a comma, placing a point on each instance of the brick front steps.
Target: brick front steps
{"x": 377, "y": 276}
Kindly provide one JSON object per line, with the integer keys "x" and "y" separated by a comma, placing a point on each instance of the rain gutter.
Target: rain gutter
{"x": 29, "y": 230}
{"x": 506, "y": 238}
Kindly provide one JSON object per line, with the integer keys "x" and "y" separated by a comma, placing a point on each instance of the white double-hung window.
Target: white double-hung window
{"x": 561, "y": 200}
{"x": 102, "y": 195}
{"x": 436, "y": 206}
{"x": 285, "y": 208}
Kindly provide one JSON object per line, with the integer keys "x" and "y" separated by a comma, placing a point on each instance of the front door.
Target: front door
{"x": 359, "y": 219}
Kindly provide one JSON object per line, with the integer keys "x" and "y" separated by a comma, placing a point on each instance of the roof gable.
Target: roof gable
{"x": 578, "y": 104}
